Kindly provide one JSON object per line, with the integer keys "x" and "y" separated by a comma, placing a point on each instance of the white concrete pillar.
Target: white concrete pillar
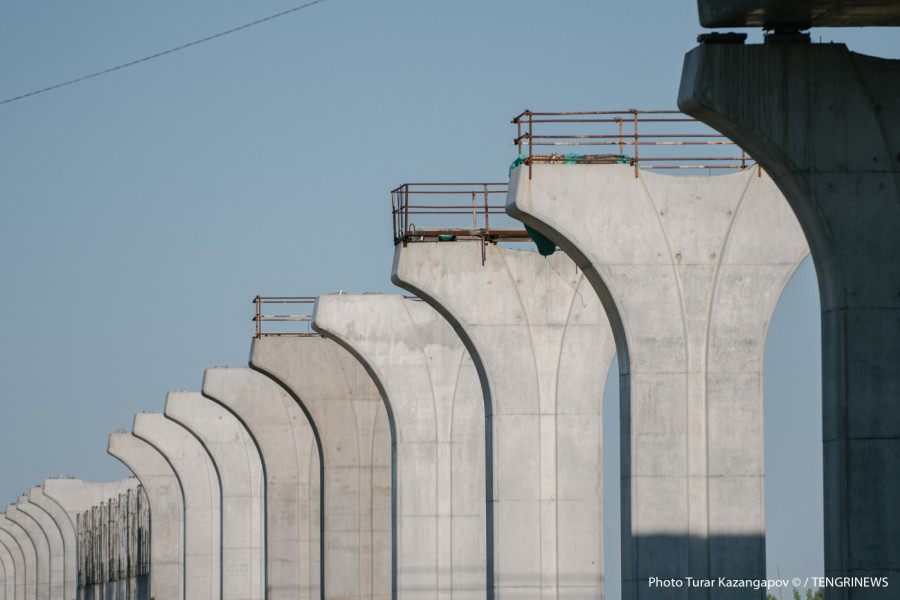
{"x": 41, "y": 549}
{"x": 55, "y": 547}
{"x": 290, "y": 461}
{"x": 17, "y": 556}
{"x": 166, "y": 510}
{"x": 67, "y": 532}
{"x": 237, "y": 462}
{"x": 29, "y": 557}
{"x": 202, "y": 501}
{"x": 433, "y": 393}
{"x": 690, "y": 270}
{"x": 9, "y": 572}
{"x": 825, "y": 123}
{"x": 542, "y": 346}
{"x": 352, "y": 426}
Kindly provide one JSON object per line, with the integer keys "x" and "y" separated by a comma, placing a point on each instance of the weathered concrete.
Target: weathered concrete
{"x": 11, "y": 563}
{"x": 541, "y": 343}
{"x": 690, "y": 270}
{"x": 430, "y": 385}
{"x": 67, "y": 532}
{"x": 41, "y": 548}
{"x": 351, "y": 422}
{"x": 801, "y": 14}
{"x": 202, "y": 501}
{"x": 290, "y": 460}
{"x": 54, "y": 540}
{"x": 28, "y": 571}
{"x": 167, "y": 510}
{"x": 825, "y": 123}
{"x": 18, "y": 560}
{"x": 237, "y": 462}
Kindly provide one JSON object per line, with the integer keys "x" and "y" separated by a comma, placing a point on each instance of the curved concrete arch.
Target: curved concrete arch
{"x": 56, "y": 548}
{"x": 29, "y": 557}
{"x": 237, "y": 462}
{"x": 9, "y": 572}
{"x": 41, "y": 549}
{"x": 67, "y": 532}
{"x": 287, "y": 449}
{"x": 832, "y": 145}
{"x": 427, "y": 378}
{"x": 166, "y": 510}
{"x": 690, "y": 268}
{"x": 202, "y": 501}
{"x": 353, "y": 428}
{"x": 18, "y": 562}
{"x": 542, "y": 345}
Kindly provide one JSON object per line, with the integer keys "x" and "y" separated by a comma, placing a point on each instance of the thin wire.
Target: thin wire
{"x": 163, "y": 53}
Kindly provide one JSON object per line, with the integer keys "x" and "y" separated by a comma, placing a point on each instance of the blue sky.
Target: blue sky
{"x": 141, "y": 211}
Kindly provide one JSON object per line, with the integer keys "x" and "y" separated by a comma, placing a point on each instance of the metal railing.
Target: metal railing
{"x": 450, "y": 211}
{"x": 259, "y": 319}
{"x": 646, "y": 139}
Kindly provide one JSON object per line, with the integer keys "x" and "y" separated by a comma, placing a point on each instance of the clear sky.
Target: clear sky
{"x": 141, "y": 211}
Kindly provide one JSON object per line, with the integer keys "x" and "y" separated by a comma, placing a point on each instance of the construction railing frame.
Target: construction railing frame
{"x": 259, "y": 318}
{"x": 626, "y": 135}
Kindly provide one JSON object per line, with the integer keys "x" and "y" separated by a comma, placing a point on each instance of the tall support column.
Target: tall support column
{"x": 542, "y": 346}
{"x": 67, "y": 532}
{"x": 825, "y": 123}
{"x": 431, "y": 388}
{"x": 241, "y": 476}
{"x": 202, "y": 501}
{"x": 11, "y": 544}
{"x": 290, "y": 460}
{"x": 29, "y": 557}
{"x": 352, "y": 426}
{"x": 166, "y": 510}
{"x": 55, "y": 547}
{"x": 690, "y": 270}
{"x": 41, "y": 549}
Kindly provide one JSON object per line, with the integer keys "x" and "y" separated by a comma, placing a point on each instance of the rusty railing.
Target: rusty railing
{"x": 645, "y": 139}
{"x": 450, "y": 211}
{"x": 259, "y": 319}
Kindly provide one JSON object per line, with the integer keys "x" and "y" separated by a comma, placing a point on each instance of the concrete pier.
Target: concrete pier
{"x": 7, "y": 574}
{"x": 41, "y": 549}
{"x": 541, "y": 343}
{"x": 167, "y": 510}
{"x": 55, "y": 546}
{"x": 238, "y": 465}
{"x": 20, "y": 539}
{"x": 433, "y": 393}
{"x": 67, "y": 532}
{"x": 13, "y": 567}
{"x": 690, "y": 270}
{"x": 825, "y": 123}
{"x": 290, "y": 459}
{"x": 352, "y": 426}
{"x": 202, "y": 501}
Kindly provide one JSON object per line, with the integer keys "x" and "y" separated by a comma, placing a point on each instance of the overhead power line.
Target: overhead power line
{"x": 163, "y": 53}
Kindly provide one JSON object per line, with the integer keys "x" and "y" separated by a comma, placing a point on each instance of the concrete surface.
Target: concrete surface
{"x": 433, "y": 394}
{"x": 14, "y": 567}
{"x": 349, "y": 417}
{"x": 67, "y": 532}
{"x": 41, "y": 549}
{"x": 690, "y": 270}
{"x": 166, "y": 509}
{"x": 541, "y": 343}
{"x": 802, "y": 14}
{"x": 15, "y": 535}
{"x": 55, "y": 545}
{"x": 237, "y": 462}
{"x": 7, "y": 574}
{"x": 202, "y": 501}
{"x": 825, "y": 123}
{"x": 290, "y": 460}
